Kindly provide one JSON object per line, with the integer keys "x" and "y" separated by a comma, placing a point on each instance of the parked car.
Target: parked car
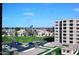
{"x": 31, "y": 44}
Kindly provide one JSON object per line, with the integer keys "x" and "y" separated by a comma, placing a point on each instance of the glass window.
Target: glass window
{"x": 71, "y": 20}
{"x": 71, "y": 31}
{"x": 64, "y": 21}
{"x": 64, "y": 41}
{"x": 64, "y": 27}
{"x": 67, "y": 51}
{"x": 71, "y": 41}
{"x": 71, "y": 24}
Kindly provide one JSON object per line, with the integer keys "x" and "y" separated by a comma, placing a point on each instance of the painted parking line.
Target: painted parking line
{"x": 76, "y": 52}
{"x": 49, "y": 51}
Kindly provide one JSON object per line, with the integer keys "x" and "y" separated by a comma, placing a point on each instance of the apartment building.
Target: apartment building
{"x": 43, "y": 33}
{"x": 67, "y": 31}
{"x": 57, "y": 31}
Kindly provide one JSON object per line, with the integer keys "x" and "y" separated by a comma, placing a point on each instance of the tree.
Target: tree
{"x": 49, "y": 39}
{"x": 16, "y": 29}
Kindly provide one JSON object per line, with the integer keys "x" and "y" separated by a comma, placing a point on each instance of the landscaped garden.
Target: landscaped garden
{"x": 22, "y": 39}
{"x": 58, "y": 51}
{"x": 78, "y": 53}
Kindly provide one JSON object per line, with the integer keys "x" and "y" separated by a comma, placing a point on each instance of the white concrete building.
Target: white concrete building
{"x": 42, "y": 33}
{"x": 68, "y": 50}
{"x": 57, "y": 31}
{"x": 70, "y": 31}
{"x": 67, "y": 31}
{"x": 10, "y": 32}
{"x": 22, "y": 32}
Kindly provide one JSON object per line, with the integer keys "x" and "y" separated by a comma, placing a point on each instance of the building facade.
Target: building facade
{"x": 67, "y": 31}
{"x": 57, "y": 31}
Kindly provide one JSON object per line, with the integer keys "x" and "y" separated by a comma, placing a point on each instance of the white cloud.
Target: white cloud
{"x": 29, "y": 14}
{"x": 76, "y": 9}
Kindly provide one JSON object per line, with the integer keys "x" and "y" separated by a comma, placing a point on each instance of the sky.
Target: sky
{"x": 37, "y": 14}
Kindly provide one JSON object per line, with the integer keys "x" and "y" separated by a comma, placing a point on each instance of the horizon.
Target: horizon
{"x": 37, "y": 14}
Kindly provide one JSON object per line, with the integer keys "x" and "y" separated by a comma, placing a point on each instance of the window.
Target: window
{"x": 64, "y": 34}
{"x": 71, "y": 31}
{"x": 64, "y": 37}
{"x": 77, "y": 28}
{"x": 56, "y": 31}
{"x": 78, "y": 42}
{"x": 77, "y": 38}
{"x": 77, "y": 31}
{"x": 71, "y": 38}
{"x": 77, "y": 24}
{"x": 71, "y": 20}
{"x": 64, "y": 24}
{"x": 64, "y": 41}
{"x": 63, "y": 50}
{"x": 56, "y": 34}
{"x": 71, "y": 34}
{"x": 64, "y": 27}
{"x": 64, "y": 31}
{"x": 71, "y": 41}
{"x": 77, "y": 35}
{"x": 64, "y": 21}
{"x": 77, "y": 21}
{"x": 67, "y": 51}
{"x": 56, "y": 27}
{"x": 56, "y": 24}
{"x": 71, "y": 27}
{"x": 56, "y": 37}
{"x": 71, "y": 24}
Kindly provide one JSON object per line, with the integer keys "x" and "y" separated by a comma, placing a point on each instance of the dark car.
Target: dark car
{"x": 31, "y": 44}
{"x": 17, "y": 43}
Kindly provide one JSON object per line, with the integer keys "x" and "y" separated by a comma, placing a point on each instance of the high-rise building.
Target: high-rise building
{"x": 67, "y": 31}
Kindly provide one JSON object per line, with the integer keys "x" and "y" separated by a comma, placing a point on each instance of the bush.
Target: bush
{"x": 49, "y": 39}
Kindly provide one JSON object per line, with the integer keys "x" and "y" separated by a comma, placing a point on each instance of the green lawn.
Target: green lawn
{"x": 78, "y": 53}
{"x": 58, "y": 51}
{"x": 22, "y": 39}
{"x": 6, "y": 39}
{"x": 27, "y": 39}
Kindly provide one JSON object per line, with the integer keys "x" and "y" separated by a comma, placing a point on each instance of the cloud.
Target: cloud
{"x": 76, "y": 9}
{"x": 29, "y": 14}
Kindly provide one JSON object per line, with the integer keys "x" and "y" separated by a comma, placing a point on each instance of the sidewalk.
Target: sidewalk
{"x": 49, "y": 51}
{"x": 76, "y": 52}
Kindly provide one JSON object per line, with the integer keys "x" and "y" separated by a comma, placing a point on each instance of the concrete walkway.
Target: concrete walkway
{"x": 49, "y": 51}
{"x": 76, "y": 52}
{"x": 28, "y": 50}
{"x": 32, "y": 51}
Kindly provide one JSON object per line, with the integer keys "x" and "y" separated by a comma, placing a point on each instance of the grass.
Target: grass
{"x": 48, "y": 53}
{"x": 6, "y": 39}
{"x": 22, "y": 39}
{"x": 78, "y": 53}
{"x": 27, "y": 39}
{"x": 58, "y": 51}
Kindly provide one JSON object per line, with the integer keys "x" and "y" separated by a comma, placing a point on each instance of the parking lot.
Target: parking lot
{"x": 33, "y": 51}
